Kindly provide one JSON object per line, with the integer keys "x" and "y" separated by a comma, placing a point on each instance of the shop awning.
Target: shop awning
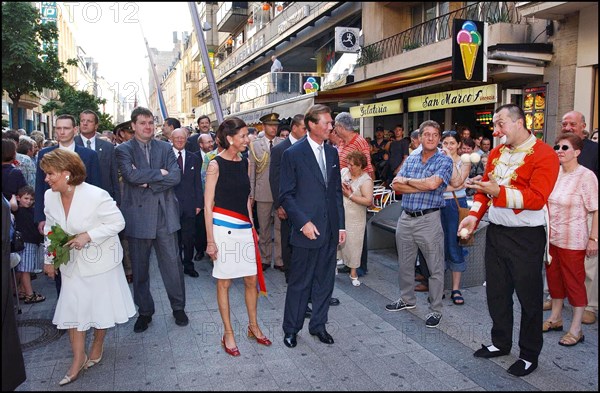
{"x": 368, "y": 88}
{"x": 286, "y": 108}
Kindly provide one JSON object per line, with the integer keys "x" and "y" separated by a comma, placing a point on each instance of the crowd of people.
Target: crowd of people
{"x": 295, "y": 198}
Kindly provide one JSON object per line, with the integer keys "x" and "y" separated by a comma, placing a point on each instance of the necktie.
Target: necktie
{"x": 180, "y": 161}
{"x": 147, "y": 152}
{"x": 89, "y": 144}
{"x": 322, "y": 163}
{"x": 270, "y": 144}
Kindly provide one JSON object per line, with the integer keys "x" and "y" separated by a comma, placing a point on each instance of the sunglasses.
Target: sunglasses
{"x": 446, "y": 133}
{"x": 561, "y": 147}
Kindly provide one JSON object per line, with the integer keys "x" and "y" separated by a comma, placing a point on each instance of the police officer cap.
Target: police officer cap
{"x": 271, "y": 118}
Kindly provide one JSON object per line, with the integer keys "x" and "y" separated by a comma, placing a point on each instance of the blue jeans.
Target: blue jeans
{"x": 455, "y": 256}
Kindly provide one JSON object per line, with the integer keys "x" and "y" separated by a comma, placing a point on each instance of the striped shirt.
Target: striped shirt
{"x": 440, "y": 165}
{"x": 357, "y": 143}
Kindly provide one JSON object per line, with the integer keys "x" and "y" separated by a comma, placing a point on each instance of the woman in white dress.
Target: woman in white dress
{"x": 230, "y": 240}
{"x": 357, "y": 187}
{"x": 94, "y": 290}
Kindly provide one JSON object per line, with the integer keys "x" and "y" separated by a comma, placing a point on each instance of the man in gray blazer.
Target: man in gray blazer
{"x": 89, "y": 137}
{"x": 151, "y": 210}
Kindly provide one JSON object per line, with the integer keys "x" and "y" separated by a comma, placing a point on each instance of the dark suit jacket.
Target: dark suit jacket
{"x": 589, "y": 156}
{"x": 13, "y": 367}
{"x": 192, "y": 143}
{"x": 189, "y": 191}
{"x": 275, "y": 169}
{"x": 92, "y": 168}
{"x": 108, "y": 167}
{"x": 140, "y": 205}
{"x": 305, "y": 197}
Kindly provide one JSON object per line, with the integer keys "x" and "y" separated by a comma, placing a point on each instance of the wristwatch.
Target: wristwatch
{"x": 595, "y": 239}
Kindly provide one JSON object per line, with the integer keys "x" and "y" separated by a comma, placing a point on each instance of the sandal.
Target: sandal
{"x": 34, "y": 298}
{"x": 552, "y": 326}
{"x": 457, "y": 297}
{"x": 355, "y": 281}
{"x": 568, "y": 340}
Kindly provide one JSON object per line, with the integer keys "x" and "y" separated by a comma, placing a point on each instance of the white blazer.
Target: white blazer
{"x": 93, "y": 211}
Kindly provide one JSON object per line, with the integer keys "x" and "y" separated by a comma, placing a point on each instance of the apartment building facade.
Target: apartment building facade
{"x": 540, "y": 55}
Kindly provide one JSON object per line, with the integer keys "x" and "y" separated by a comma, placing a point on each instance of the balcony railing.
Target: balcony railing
{"x": 437, "y": 29}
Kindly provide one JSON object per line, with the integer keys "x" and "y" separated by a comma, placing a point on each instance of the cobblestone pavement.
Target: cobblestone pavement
{"x": 374, "y": 349}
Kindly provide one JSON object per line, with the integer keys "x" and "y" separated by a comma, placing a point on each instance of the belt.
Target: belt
{"x": 420, "y": 213}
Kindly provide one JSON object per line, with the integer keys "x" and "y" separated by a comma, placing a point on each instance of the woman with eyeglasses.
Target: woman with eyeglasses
{"x": 574, "y": 197}
{"x": 454, "y": 253}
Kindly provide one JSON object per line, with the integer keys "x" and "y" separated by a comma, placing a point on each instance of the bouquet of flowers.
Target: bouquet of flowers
{"x": 57, "y": 252}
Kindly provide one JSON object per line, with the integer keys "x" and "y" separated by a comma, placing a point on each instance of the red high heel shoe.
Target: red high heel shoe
{"x": 232, "y": 351}
{"x": 263, "y": 340}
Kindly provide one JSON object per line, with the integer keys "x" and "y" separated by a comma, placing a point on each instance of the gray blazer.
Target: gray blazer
{"x": 140, "y": 205}
{"x": 108, "y": 166}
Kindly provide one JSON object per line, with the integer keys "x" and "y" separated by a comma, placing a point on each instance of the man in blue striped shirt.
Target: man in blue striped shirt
{"x": 422, "y": 181}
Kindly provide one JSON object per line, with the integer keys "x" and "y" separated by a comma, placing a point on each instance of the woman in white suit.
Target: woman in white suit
{"x": 94, "y": 290}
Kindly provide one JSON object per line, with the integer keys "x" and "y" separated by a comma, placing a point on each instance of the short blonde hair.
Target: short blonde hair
{"x": 65, "y": 160}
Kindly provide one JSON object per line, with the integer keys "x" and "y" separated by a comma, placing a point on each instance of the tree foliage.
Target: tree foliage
{"x": 73, "y": 102}
{"x": 29, "y": 56}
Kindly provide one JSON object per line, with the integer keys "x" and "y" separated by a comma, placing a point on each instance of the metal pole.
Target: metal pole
{"x": 159, "y": 95}
{"x": 206, "y": 61}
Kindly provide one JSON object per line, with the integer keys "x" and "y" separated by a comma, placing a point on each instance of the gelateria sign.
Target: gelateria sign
{"x": 377, "y": 109}
{"x": 451, "y": 99}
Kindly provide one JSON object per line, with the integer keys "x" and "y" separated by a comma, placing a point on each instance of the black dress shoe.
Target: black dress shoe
{"x": 191, "y": 272}
{"x": 142, "y": 323}
{"x": 484, "y": 352}
{"x": 265, "y": 266}
{"x": 180, "y": 318}
{"x": 334, "y": 301}
{"x": 289, "y": 339}
{"x": 308, "y": 312}
{"x": 518, "y": 368}
{"x": 280, "y": 268}
{"x": 324, "y": 337}
{"x": 199, "y": 255}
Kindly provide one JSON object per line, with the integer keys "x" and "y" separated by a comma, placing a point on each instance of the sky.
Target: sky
{"x": 111, "y": 33}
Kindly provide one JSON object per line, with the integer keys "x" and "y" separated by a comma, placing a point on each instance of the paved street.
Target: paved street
{"x": 374, "y": 349}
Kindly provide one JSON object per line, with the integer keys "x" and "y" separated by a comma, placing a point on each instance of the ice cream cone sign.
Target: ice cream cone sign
{"x": 469, "y": 41}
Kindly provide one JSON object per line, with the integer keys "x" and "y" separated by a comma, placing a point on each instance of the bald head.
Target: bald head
{"x": 574, "y": 122}
{"x": 205, "y": 142}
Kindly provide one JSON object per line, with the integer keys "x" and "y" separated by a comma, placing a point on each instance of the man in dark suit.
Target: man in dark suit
{"x": 203, "y": 128}
{"x": 149, "y": 205}
{"x": 298, "y": 132}
{"x": 311, "y": 194}
{"x": 65, "y": 129}
{"x": 190, "y": 195}
{"x": 89, "y": 137}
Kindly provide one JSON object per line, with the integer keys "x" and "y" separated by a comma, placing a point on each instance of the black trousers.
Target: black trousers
{"x": 312, "y": 274}
{"x": 513, "y": 263}
{"x": 200, "y": 231}
{"x": 286, "y": 247}
{"x": 185, "y": 239}
{"x": 364, "y": 257}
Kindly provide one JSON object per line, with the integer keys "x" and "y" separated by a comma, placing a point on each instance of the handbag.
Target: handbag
{"x": 17, "y": 243}
{"x": 462, "y": 213}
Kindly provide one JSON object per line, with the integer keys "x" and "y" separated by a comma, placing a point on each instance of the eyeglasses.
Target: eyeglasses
{"x": 561, "y": 147}
{"x": 448, "y": 133}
